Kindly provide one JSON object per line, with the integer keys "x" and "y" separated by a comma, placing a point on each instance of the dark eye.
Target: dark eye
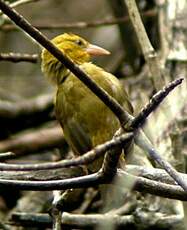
{"x": 79, "y": 42}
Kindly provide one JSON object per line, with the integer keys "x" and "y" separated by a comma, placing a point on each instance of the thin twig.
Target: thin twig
{"x": 112, "y": 156}
{"x": 129, "y": 44}
{"x": 80, "y": 24}
{"x": 157, "y": 220}
{"x": 55, "y": 212}
{"x": 17, "y": 57}
{"x": 154, "y": 174}
{"x": 79, "y": 221}
{"x": 19, "y": 3}
{"x": 153, "y": 104}
{"x": 147, "y": 49}
{"x": 88, "y": 157}
{"x": 33, "y": 141}
{"x": 14, "y": 110}
{"x": 40, "y": 220}
{"x": 140, "y": 184}
{"x": 6, "y": 156}
{"x": 143, "y": 142}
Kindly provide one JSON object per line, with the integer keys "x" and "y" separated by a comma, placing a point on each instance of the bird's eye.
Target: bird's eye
{"x": 79, "y": 42}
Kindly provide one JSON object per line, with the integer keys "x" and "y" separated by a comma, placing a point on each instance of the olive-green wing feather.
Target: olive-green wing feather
{"x": 85, "y": 119}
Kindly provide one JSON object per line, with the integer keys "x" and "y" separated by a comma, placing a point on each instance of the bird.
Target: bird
{"x": 86, "y": 121}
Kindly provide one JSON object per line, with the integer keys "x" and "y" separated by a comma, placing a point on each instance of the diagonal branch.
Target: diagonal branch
{"x": 116, "y": 108}
{"x": 153, "y": 104}
{"x": 19, "y": 3}
{"x": 142, "y": 141}
{"x": 147, "y": 49}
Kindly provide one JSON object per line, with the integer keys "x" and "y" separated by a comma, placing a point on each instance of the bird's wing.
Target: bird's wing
{"x": 77, "y": 136}
{"x": 110, "y": 84}
{"x": 68, "y": 114}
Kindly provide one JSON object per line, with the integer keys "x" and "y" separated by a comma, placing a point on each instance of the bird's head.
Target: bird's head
{"x": 74, "y": 47}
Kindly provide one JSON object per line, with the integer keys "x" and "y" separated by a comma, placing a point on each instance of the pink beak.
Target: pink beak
{"x": 94, "y": 50}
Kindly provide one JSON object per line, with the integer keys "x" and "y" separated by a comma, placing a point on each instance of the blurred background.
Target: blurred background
{"x": 25, "y": 79}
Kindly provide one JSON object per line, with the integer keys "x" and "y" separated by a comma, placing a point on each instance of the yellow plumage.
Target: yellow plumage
{"x": 85, "y": 119}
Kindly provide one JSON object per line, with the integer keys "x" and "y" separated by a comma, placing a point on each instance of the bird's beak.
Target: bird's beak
{"x": 94, "y": 50}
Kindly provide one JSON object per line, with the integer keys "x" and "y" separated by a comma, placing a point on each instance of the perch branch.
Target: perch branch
{"x": 154, "y": 174}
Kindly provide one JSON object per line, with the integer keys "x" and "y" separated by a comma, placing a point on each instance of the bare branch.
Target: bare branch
{"x": 153, "y": 104}
{"x": 142, "y": 141}
{"x": 19, "y": 3}
{"x": 84, "y": 159}
{"x": 157, "y": 221}
{"x": 33, "y": 141}
{"x": 80, "y": 221}
{"x": 12, "y": 110}
{"x": 6, "y": 156}
{"x": 80, "y": 24}
{"x": 140, "y": 184}
{"x": 154, "y": 174}
{"x": 17, "y": 57}
{"x": 147, "y": 49}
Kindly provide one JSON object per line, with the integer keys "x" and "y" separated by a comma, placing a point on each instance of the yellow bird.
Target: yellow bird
{"x": 85, "y": 119}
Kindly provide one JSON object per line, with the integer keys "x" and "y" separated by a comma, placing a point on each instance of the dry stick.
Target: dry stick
{"x": 33, "y": 141}
{"x": 19, "y": 3}
{"x": 147, "y": 49}
{"x": 143, "y": 142}
{"x": 155, "y": 174}
{"x": 141, "y": 184}
{"x": 88, "y": 157}
{"x": 153, "y": 104}
{"x": 6, "y": 156}
{"x": 34, "y": 220}
{"x": 17, "y": 57}
{"x": 80, "y": 24}
{"x": 14, "y": 110}
{"x": 157, "y": 220}
{"x": 122, "y": 115}
{"x": 92, "y": 221}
